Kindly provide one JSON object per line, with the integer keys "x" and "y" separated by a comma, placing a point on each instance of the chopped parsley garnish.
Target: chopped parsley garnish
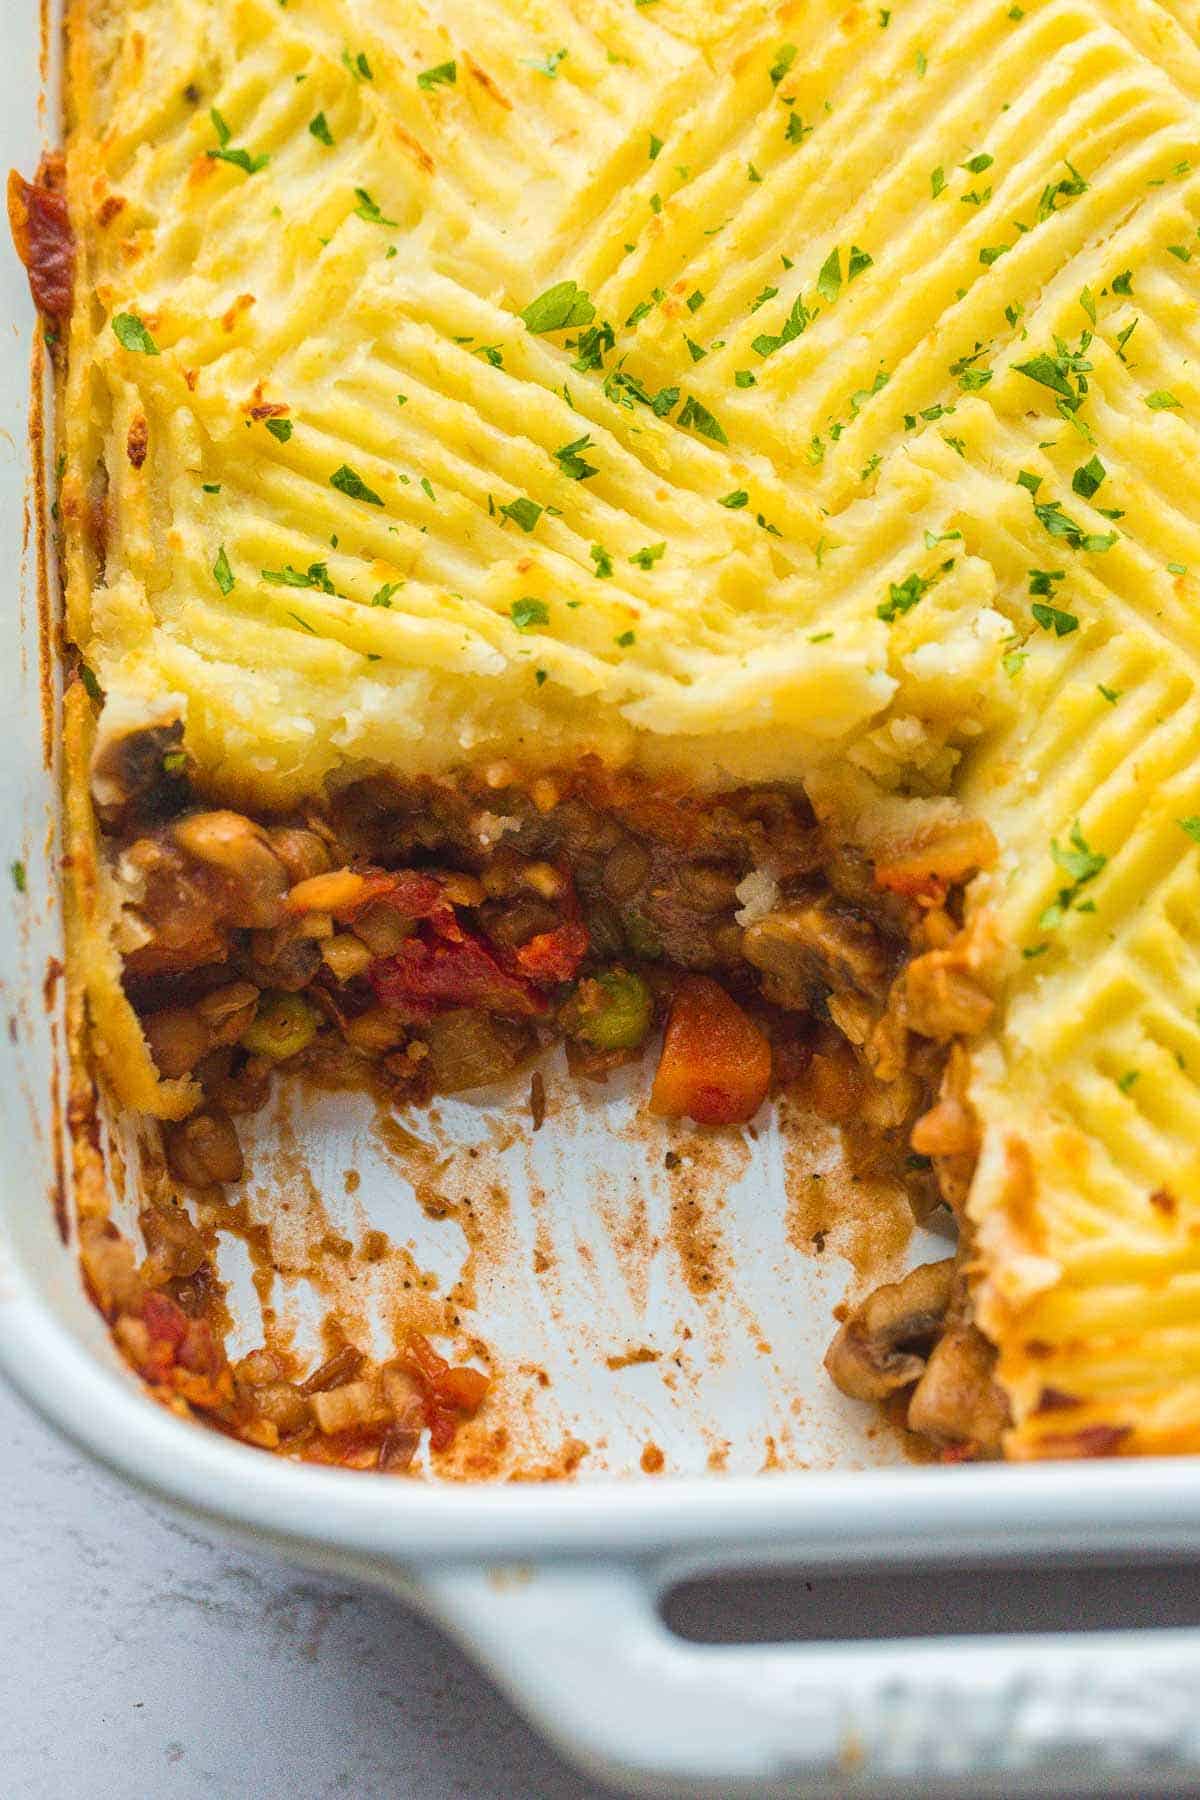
{"x": 17, "y": 871}
{"x": 1161, "y": 400}
{"x": 904, "y": 595}
{"x": 797, "y": 130}
{"x": 1042, "y": 581}
{"x": 383, "y": 595}
{"x": 427, "y": 488}
{"x": 303, "y": 624}
{"x": 922, "y": 63}
{"x": 785, "y": 56}
{"x": 358, "y": 65}
{"x": 1086, "y": 480}
{"x": 562, "y": 305}
{"x": 937, "y": 181}
{"x": 222, "y": 573}
{"x": 1052, "y": 618}
{"x": 211, "y": 487}
{"x": 280, "y": 428}
{"x": 527, "y": 613}
{"x": 752, "y": 173}
{"x": 593, "y": 346}
{"x": 1181, "y": 251}
{"x": 540, "y": 675}
{"x": 760, "y": 299}
{"x": 368, "y": 209}
{"x": 1177, "y": 568}
{"x": 696, "y": 351}
{"x": 797, "y": 322}
{"x": 975, "y": 165}
{"x": 857, "y": 261}
{"x": 131, "y": 334}
{"x": 545, "y": 65}
{"x": 444, "y": 75}
{"x": 695, "y": 301}
{"x": 829, "y": 281}
{"x": 241, "y": 159}
{"x": 1060, "y": 525}
{"x": 572, "y": 463}
{"x": 734, "y": 501}
{"x": 1192, "y": 826}
{"x": 1067, "y": 189}
{"x": 320, "y": 130}
{"x": 744, "y": 379}
{"x": 602, "y": 560}
{"x": 646, "y": 557}
{"x": 626, "y": 638}
{"x": 315, "y": 576}
{"x": 522, "y": 512}
{"x": 1082, "y": 864}
{"x": 1126, "y": 1081}
{"x": 1112, "y": 695}
{"x": 991, "y": 253}
{"x": 352, "y": 485}
{"x": 656, "y": 145}
{"x": 698, "y": 418}
{"x": 1123, "y": 283}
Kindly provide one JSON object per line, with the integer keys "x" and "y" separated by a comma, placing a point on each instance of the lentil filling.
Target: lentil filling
{"x": 436, "y": 936}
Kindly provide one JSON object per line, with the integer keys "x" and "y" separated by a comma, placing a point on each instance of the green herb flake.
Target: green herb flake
{"x": 1086, "y": 480}
{"x": 131, "y": 334}
{"x": 528, "y": 613}
{"x": 696, "y": 351}
{"x": 903, "y": 596}
{"x": 829, "y": 281}
{"x": 1112, "y": 695}
{"x": 1126, "y": 1081}
{"x": 648, "y": 555}
{"x": 626, "y": 638}
{"x": 857, "y": 261}
{"x": 443, "y": 75}
{"x": 572, "y": 463}
{"x": 696, "y": 417}
{"x": 736, "y": 500}
{"x": 545, "y": 65}
{"x": 280, "y": 429}
{"x": 562, "y": 305}
{"x": 315, "y": 576}
{"x": 353, "y": 486}
{"x": 358, "y": 66}
{"x": 1192, "y": 826}
{"x": 368, "y": 209}
{"x": 1181, "y": 251}
{"x": 603, "y": 561}
{"x": 383, "y": 595}
{"x": 1052, "y": 618}
{"x": 319, "y": 127}
{"x": 937, "y": 181}
{"x": 975, "y": 165}
{"x": 1161, "y": 400}
{"x": 17, "y": 871}
{"x": 695, "y": 301}
{"x": 222, "y": 573}
{"x": 522, "y": 512}
{"x": 785, "y": 56}
{"x": 797, "y": 130}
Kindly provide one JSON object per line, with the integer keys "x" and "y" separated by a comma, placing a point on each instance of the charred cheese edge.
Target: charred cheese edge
{"x": 861, "y": 449}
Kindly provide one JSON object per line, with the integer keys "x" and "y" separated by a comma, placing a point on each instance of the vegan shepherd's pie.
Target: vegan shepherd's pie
{"x": 667, "y": 527}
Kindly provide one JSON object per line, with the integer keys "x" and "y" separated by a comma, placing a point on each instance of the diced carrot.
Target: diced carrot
{"x": 927, "y": 870}
{"x": 715, "y": 1066}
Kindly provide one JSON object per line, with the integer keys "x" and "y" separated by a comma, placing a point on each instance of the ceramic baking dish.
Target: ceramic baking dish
{"x": 555, "y": 1584}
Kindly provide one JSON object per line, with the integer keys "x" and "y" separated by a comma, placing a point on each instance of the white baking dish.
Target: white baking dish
{"x": 554, "y": 1585}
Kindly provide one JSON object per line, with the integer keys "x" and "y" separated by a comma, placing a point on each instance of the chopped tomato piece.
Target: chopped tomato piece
{"x": 41, "y": 231}
{"x": 715, "y": 1066}
{"x": 554, "y": 955}
{"x": 426, "y": 975}
{"x": 448, "y": 1394}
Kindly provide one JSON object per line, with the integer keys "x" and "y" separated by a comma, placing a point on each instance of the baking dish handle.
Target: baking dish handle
{"x": 581, "y": 1649}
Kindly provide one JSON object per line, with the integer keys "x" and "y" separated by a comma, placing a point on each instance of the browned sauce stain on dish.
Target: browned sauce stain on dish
{"x": 863, "y": 1217}
{"x": 652, "y": 1460}
{"x": 630, "y": 1358}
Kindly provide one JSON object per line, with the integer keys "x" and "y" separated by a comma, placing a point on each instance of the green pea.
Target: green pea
{"x": 283, "y": 1026}
{"x": 615, "y": 1011}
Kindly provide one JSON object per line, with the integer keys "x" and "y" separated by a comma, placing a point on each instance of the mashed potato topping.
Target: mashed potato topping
{"x": 746, "y": 391}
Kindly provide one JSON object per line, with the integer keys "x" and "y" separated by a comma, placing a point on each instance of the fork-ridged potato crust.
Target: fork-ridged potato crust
{"x": 865, "y": 442}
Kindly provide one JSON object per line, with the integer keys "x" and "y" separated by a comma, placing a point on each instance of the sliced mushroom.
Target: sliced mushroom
{"x": 813, "y": 946}
{"x": 886, "y": 1344}
{"x": 139, "y": 768}
{"x": 957, "y": 1399}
